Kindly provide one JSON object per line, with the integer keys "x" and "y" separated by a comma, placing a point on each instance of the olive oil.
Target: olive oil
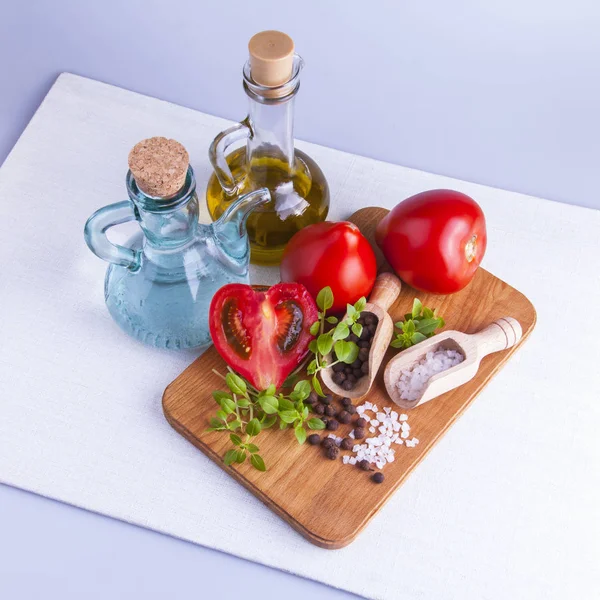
{"x": 298, "y": 198}
{"x": 299, "y": 190}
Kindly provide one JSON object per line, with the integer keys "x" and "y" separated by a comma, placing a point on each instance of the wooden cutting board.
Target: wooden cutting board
{"x": 327, "y": 501}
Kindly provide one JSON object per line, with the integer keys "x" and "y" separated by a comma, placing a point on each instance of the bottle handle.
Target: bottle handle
{"x": 216, "y": 154}
{"x": 97, "y": 241}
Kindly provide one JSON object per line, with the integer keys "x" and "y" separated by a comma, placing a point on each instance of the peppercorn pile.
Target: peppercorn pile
{"x": 333, "y": 418}
{"x": 345, "y": 375}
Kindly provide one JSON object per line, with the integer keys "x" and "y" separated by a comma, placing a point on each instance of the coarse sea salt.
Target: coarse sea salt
{"x": 389, "y": 427}
{"x": 412, "y": 381}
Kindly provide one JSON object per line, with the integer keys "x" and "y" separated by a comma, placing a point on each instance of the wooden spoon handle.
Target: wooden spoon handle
{"x": 500, "y": 335}
{"x": 386, "y": 290}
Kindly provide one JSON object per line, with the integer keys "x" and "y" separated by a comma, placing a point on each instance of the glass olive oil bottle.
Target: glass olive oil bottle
{"x": 299, "y": 190}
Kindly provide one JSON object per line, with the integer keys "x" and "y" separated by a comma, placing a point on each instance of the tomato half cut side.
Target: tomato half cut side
{"x": 262, "y": 334}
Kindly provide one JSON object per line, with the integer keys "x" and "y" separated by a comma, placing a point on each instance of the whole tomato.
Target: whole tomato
{"x": 434, "y": 240}
{"x": 331, "y": 254}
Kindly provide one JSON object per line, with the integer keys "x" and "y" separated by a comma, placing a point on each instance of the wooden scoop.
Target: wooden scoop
{"x": 385, "y": 291}
{"x": 500, "y": 335}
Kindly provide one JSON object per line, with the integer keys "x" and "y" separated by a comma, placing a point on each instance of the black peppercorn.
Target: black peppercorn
{"x": 369, "y": 318}
{"x": 357, "y": 364}
{"x": 347, "y": 385}
{"x": 320, "y": 409}
{"x": 351, "y": 409}
{"x": 344, "y": 417}
{"x": 330, "y": 411}
{"x": 346, "y": 401}
{"x": 339, "y": 378}
{"x": 327, "y": 399}
{"x": 347, "y": 369}
{"x": 363, "y": 344}
{"x": 352, "y": 338}
{"x": 350, "y": 377}
{"x": 338, "y": 367}
{"x": 314, "y": 439}
{"x": 332, "y": 425}
{"x": 363, "y": 354}
{"x": 377, "y": 477}
{"x": 347, "y": 444}
{"x": 359, "y": 433}
{"x": 365, "y": 465}
{"x": 332, "y": 452}
{"x": 327, "y": 442}
{"x": 358, "y": 373}
{"x": 365, "y": 368}
{"x": 366, "y": 333}
{"x": 360, "y": 422}
{"x": 312, "y": 398}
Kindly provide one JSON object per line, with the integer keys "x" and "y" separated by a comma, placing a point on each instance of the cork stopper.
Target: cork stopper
{"x": 271, "y": 58}
{"x": 159, "y": 166}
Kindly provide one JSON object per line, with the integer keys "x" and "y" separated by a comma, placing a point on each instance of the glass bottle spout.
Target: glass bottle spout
{"x": 230, "y": 229}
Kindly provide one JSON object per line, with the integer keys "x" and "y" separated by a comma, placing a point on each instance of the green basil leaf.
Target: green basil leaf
{"x": 350, "y": 310}
{"x": 353, "y": 353}
{"x": 417, "y": 338}
{"x": 357, "y": 329}
{"x": 315, "y": 423}
{"x": 397, "y": 343}
{"x": 253, "y": 428}
{"x": 312, "y": 367}
{"x": 285, "y": 404}
{"x": 221, "y": 414}
{"x": 360, "y": 304}
{"x": 269, "y": 404}
{"x": 235, "y": 383}
{"x": 300, "y": 433}
{"x": 325, "y": 298}
{"x": 313, "y": 347}
{"x": 324, "y": 344}
{"x": 227, "y": 405}
{"x": 214, "y": 422}
{"x": 268, "y": 421}
{"x": 317, "y": 386}
{"x": 303, "y": 389}
{"x": 282, "y": 424}
{"x": 235, "y": 439}
{"x": 257, "y": 462}
{"x": 416, "y": 308}
{"x": 219, "y": 395}
{"x": 341, "y": 350}
{"x": 314, "y": 328}
{"x": 427, "y": 313}
{"x": 252, "y": 448}
{"x": 240, "y": 456}
{"x": 243, "y": 403}
{"x": 230, "y": 457}
{"x": 341, "y": 332}
{"x": 288, "y": 416}
{"x": 270, "y": 391}
{"x": 305, "y": 412}
{"x": 332, "y": 320}
{"x": 427, "y": 326}
{"x": 235, "y": 425}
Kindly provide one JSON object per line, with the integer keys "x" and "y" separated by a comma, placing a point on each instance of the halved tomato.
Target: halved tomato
{"x": 262, "y": 333}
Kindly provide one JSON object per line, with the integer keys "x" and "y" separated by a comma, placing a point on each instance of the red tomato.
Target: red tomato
{"x": 262, "y": 333}
{"x": 434, "y": 240}
{"x": 331, "y": 254}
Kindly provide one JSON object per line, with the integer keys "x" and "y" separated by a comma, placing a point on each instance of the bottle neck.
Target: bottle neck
{"x": 167, "y": 222}
{"x": 272, "y": 132}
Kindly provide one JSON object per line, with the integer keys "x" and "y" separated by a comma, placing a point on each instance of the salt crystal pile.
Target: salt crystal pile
{"x": 391, "y": 428}
{"x": 413, "y": 381}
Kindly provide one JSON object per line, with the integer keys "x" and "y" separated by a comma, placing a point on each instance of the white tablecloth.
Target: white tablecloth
{"x": 506, "y": 506}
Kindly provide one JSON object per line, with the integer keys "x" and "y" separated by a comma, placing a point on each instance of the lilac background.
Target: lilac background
{"x": 505, "y": 93}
